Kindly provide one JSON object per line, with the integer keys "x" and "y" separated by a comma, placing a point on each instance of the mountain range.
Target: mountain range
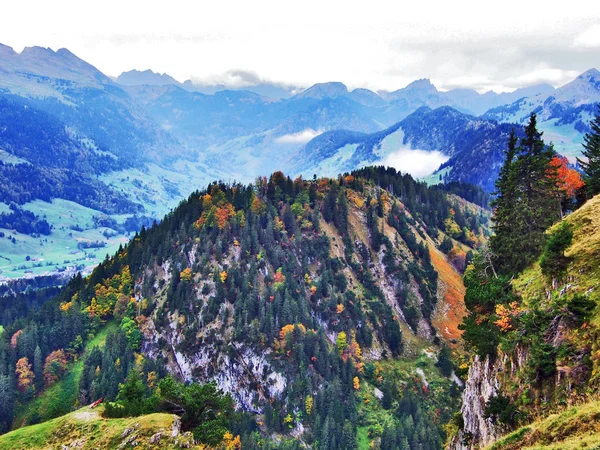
{"x": 564, "y": 114}
{"x": 141, "y": 140}
{"x": 343, "y": 305}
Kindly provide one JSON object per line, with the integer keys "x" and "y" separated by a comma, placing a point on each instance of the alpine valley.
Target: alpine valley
{"x": 192, "y": 266}
{"x": 86, "y": 160}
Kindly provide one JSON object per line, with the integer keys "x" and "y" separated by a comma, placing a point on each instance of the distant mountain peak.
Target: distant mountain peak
{"x": 6, "y": 50}
{"x": 61, "y": 64}
{"x": 591, "y": 76}
{"x": 583, "y": 89}
{"x": 366, "y": 97}
{"x": 423, "y": 84}
{"x": 66, "y": 53}
{"x": 593, "y": 72}
{"x": 38, "y": 51}
{"x": 331, "y": 89}
{"x": 145, "y": 77}
{"x": 421, "y": 91}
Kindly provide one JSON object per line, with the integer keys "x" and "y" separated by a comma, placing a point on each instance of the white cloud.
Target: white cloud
{"x": 418, "y": 163}
{"x": 590, "y": 38}
{"x": 556, "y": 77}
{"x": 383, "y": 45}
{"x": 301, "y": 137}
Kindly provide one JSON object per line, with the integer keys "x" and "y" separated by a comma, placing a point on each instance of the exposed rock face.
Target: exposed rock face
{"x": 481, "y": 385}
{"x": 246, "y": 375}
{"x": 485, "y": 380}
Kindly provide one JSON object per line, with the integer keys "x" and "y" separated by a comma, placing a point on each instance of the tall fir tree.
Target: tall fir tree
{"x": 38, "y": 368}
{"x": 7, "y": 402}
{"x": 538, "y": 208}
{"x": 591, "y": 167}
{"x": 504, "y": 206}
{"x": 525, "y": 205}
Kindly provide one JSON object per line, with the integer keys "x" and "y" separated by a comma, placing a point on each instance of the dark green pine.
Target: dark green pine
{"x": 591, "y": 166}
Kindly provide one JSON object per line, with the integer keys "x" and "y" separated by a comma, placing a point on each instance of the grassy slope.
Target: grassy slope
{"x": 575, "y": 428}
{"x": 62, "y": 397}
{"x": 87, "y": 429}
{"x": 434, "y": 178}
{"x": 584, "y": 269}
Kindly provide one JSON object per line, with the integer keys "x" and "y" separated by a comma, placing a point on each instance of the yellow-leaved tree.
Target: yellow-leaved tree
{"x": 25, "y": 375}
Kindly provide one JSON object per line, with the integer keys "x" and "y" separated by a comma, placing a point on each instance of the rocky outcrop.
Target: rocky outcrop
{"x": 485, "y": 380}
{"x": 481, "y": 385}
{"x": 248, "y": 376}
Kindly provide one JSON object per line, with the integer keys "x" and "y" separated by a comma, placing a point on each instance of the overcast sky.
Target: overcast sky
{"x": 376, "y": 44}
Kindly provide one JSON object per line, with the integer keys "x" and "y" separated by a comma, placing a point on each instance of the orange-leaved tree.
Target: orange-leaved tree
{"x": 568, "y": 180}
{"x": 54, "y": 367}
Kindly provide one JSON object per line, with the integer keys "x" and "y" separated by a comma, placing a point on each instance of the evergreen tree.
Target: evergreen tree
{"x": 446, "y": 245}
{"x": 504, "y": 204}
{"x": 445, "y": 361}
{"x": 525, "y": 205}
{"x": 7, "y": 403}
{"x": 591, "y": 167}
{"x": 553, "y": 261}
{"x": 204, "y": 408}
{"x": 536, "y": 209}
{"x": 348, "y": 437}
{"x": 38, "y": 368}
{"x": 388, "y": 394}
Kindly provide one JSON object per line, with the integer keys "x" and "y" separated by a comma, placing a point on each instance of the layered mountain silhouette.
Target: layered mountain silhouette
{"x": 142, "y": 140}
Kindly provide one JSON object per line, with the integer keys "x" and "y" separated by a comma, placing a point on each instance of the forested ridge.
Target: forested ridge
{"x": 308, "y": 301}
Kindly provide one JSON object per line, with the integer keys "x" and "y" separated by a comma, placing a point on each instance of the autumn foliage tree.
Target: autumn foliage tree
{"x": 505, "y": 315}
{"x": 231, "y": 442}
{"x": 54, "y": 367}
{"x": 341, "y": 342}
{"x": 278, "y": 279}
{"x": 15, "y": 337}
{"x": 568, "y": 182}
{"x": 287, "y": 333}
{"x": 107, "y": 294}
{"x": 217, "y": 210}
{"x": 25, "y": 375}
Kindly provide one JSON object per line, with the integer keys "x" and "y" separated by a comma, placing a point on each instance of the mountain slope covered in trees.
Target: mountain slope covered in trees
{"x": 291, "y": 295}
